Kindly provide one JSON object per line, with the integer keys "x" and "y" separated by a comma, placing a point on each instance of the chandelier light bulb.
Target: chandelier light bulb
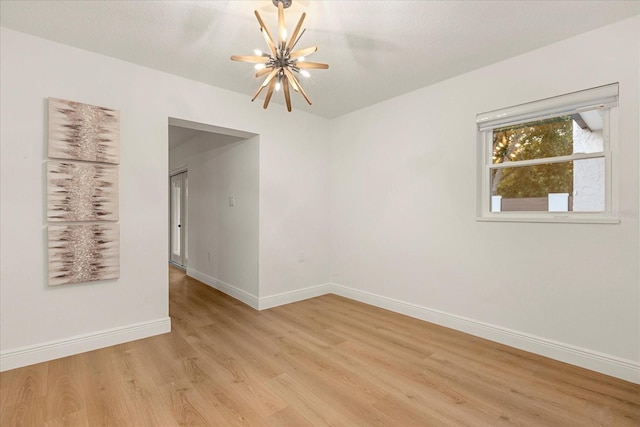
{"x": 278, "y": 86}
{"x": 259, "y": 66}
{"x": 301, "y": 59}
{"x": 305, "y": 73}
{"x": 258, "y": 52}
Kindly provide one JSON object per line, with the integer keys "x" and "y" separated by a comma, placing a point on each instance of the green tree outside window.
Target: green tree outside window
{"x": 535, "y": 140}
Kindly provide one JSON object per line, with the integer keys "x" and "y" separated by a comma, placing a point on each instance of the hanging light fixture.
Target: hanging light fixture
{"x": 281, "y": 64}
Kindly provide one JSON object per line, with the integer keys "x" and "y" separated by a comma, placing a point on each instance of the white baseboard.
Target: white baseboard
{"x": 604, "y": 363}
{"x": 589, "y": 359}
{"x": 293, "y": 296}
{"x": 237, "y": 293}
{"x": 81, "y": 343}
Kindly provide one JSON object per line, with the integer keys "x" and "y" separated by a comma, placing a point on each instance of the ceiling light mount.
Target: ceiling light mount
{"x": 281, "y": 63}
{"x": 285, "y": 3}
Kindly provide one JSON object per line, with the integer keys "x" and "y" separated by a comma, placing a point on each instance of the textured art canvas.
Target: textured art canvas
{"x": 83, "y": 132}
{"x": 82, "y": 191}
{"x": 83, "y": 253}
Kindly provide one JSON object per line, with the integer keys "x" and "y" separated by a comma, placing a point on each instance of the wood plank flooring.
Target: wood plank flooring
{"x": 328, "y": 361}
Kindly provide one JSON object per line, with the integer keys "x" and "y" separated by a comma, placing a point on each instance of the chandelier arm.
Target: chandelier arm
{"x": 295, "y": 32}
{"x": 292, "y": 79}
{"x": 255, "y": 95}
{"x": 264, "y": 84}
{"x": 250, "y": 58}
{"x": 287, "y": 95}
{"x": 270, "y": 77}
{"x": 264, "y": 71}
{"x": 267, "y": 34}
{"x": 312, "y": 65}
{"x": 297, "y": 40}
{"x": 281, "y": 28}
{"x": 303, "y": 52}
{"x": 267, "y": 98}
{"x": 267, "y": 38}
{"x": 304, "y": 94}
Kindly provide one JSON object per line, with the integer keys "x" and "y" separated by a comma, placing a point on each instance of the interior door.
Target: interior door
{"x": 178, "y": 219}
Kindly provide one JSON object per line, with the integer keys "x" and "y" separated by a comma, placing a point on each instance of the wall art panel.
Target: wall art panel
{"x": 82, "y": 191}
{"x": 83, "y": 253}
{"x": 83, "y": 132}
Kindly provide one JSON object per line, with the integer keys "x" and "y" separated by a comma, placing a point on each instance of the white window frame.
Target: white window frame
{"x": 604, "y": 98}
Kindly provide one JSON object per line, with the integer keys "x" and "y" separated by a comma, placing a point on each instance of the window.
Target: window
{"x": 549, "y": 160}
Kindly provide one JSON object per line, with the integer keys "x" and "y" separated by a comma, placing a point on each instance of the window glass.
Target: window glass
{"x": 531, "y": 188}
{"x": 533, "y": 140}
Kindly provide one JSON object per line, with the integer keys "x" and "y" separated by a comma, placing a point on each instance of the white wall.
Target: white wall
{"x": 223, "y": 240}
{"x": 38, "y": 322}
{"x": 403, "y": 228}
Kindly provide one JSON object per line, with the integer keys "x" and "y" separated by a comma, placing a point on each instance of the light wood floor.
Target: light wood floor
{"x": 327, "y": 361}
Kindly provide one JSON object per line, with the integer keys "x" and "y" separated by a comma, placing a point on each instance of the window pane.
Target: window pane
{"x": 578, "y": 185}
{"x": 534, "y": 140}
{"x": 560, "y": 136}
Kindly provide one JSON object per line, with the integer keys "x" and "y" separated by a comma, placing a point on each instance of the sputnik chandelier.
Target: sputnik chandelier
{"x": 282, "y": 63}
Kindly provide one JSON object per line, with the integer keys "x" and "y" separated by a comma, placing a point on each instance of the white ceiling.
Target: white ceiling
{"x": 376, "y": 49}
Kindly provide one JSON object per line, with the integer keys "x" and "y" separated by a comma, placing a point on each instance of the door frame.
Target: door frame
{"x": 182, "y": 263}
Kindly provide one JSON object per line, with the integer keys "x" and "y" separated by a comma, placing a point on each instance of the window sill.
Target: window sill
{"x": 561, "y": 219}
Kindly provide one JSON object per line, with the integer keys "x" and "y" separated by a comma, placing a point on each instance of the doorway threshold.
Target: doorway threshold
{"x": 180, "y": 266}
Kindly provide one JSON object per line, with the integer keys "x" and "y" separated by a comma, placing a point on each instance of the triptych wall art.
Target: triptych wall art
{"x": 82, "y": 193}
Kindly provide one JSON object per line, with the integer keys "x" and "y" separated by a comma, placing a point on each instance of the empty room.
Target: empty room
{"x": 319, "y": 213}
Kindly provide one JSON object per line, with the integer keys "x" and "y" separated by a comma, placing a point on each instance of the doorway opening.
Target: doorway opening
{"x": 214, "y": 205}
